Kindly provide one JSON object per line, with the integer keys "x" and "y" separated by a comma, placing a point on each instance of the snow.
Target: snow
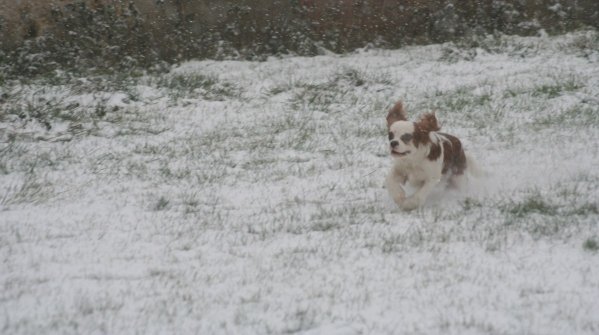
{"x": 262, "y": 210}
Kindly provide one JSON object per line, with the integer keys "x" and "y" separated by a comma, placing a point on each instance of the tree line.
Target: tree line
{"x": 41, "y": 35}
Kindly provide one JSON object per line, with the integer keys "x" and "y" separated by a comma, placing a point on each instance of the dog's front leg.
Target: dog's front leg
{"x": 394, "y": 183}
{"x": 418, "y": 198}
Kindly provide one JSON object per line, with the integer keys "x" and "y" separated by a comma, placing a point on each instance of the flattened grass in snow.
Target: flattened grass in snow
{"x": 47, "y": 109}
{"x": 577, "y": 116}
{"x": 537, "y": 204}
{"x": 31, "y": 190}
{"x": 161, "y": 204}
{"x": 539, "y": 216}
{"x": 532, "y": 204}
{"x": 552, "y": 86}
{"x": 339, "y": 89}
{"x": 462, "y": 103}
{"x": 196, "y": 85}
{"x": 51, "y": 100}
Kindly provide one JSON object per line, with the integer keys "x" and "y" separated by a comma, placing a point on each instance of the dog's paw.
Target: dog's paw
{"x": 410, "y": 203}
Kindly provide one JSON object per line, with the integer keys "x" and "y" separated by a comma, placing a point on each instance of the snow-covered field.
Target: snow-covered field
{"x": 247, "y": 197}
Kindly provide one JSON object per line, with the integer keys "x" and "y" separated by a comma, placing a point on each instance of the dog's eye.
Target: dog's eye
{"x": 406, "y": 138}
{"x": 390, "y": 136}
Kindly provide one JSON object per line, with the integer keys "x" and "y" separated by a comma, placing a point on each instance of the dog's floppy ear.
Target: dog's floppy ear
{"x": 396, "y": 113}
{"x": 422, "y": 128}
{"x": 428, "y": 122}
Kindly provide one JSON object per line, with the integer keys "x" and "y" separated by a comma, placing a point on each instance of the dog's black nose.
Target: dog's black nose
{"x": 394, "y": 144}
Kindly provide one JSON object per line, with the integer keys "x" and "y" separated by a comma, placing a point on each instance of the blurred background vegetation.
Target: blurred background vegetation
{"x": 40, "y": 36}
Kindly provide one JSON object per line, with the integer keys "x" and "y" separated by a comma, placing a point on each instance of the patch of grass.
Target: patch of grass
{"x": 35, "y": 99}
{"x": 283, "y": 85}
{"x": 541, "y": 217}
{"x": 532, "y": 204}
{"x": 300, "y": 320}
{"x": 469, "y": 204}
{"x": 452, "y": 53}
{"x": 553, "y": 86}
{"x": 161, "y": 204}
{"x": 547, "y": 90}
{"x": 458, "y": 101}
{"x": 498, "y": 43}
{"x": 293, "y": 130}
{"x": 584, "y": 44}
{"x": 555, "y": 89}
{"x": 197, "y": 85}
{"x": 125, "y": 82}
{"x": 316, "y": 96}
{"x": 278, "y": 90}
{"x": 190, "y": 203}
{"x": 11, "y": 156}
{"x": 465, "y": 106}
{"x": 591, "y": 244}
{"x": 187, "y": 82}
{"x": 53, "y": 113}
{"x": 210, "y": 175}
{"x": 31, "y": 190}
{"x": 136, "y": 168}
{"x": 350, "y": 76}
{"x": 324, "y": 226}
{"x": 34, "y": 109}
{"x": 576, "y": 116}
{"x": 415, "y": 237}
{"x": 370, "y": 131}
{"x": 320, "y": 96}
{"x": 584, "y": 209}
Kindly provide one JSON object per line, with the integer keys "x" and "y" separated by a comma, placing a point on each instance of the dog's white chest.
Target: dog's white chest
{"x": 416, "y": 172}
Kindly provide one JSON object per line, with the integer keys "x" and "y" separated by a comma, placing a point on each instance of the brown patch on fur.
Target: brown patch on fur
{"x": 454, "y": 158}
{"x": 396, "y": 113}
{"x": 422, "y": 128}
{"x": 434, "y": 152}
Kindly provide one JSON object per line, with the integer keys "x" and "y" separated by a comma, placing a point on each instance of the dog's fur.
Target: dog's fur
{"x": 422, "y": 156}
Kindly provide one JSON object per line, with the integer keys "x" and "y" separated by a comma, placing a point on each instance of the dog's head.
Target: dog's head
{"x": 405, "y": 137}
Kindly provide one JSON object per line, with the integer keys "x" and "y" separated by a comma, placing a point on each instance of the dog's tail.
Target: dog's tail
{"x": 473, "y": 168}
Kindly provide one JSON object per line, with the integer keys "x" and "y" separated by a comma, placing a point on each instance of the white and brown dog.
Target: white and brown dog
{"x": 422, "y": 157}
